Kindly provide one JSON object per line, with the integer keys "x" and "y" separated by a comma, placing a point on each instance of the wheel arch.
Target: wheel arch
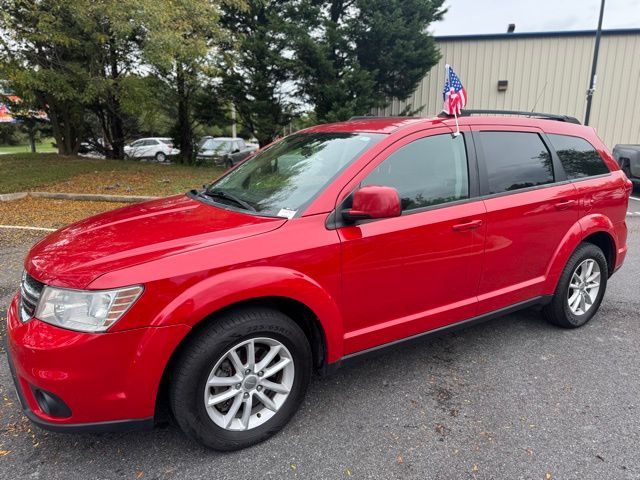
{"x": 287, "y": 291}
{"x": 294, "y": 309}
{"x": 596, "y": 229}
{"x": 605, "y": 242}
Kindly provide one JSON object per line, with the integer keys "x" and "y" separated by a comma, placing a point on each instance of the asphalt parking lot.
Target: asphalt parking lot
{"x": 512, "y": 398}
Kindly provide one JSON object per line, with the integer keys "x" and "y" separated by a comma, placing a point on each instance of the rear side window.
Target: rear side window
{"x": 429, "y": 171}
{"x": 515, "y": 160}
{"x": 578, "y": 157}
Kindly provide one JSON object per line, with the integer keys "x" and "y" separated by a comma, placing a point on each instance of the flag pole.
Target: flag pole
{"x": 455, "y": 115}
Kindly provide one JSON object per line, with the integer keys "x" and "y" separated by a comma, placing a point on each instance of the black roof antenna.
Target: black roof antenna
{"x": 540, "y": 96}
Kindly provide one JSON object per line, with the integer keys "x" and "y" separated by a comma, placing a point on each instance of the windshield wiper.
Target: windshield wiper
{"x": 217, "y": 193}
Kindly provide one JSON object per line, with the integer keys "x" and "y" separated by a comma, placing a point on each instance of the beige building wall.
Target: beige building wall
{"x": 546, "y": 72}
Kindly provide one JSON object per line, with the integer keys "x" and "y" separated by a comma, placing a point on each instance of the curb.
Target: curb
{"x": 26, "y": 227}
{"x": 90, "y": 197}
{"x": 7, "y": 197}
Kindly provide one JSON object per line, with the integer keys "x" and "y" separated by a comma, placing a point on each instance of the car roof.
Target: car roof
{"x": 388, "y": 125}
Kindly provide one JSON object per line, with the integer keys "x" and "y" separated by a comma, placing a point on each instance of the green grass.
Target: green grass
{"x": 43, "y": 146}
{"x": 53, "y": 172}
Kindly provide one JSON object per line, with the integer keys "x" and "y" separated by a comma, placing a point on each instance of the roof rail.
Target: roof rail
{"x": 372, "y": 117}
{"x": 548, "y": 116}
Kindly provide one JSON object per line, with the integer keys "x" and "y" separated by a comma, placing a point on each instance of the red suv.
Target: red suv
{"x": 328, "y": 244}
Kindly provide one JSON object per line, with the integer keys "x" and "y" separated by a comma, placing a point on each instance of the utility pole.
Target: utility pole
{"x": 594, "y": 66}
{"x": 234, "y": 132}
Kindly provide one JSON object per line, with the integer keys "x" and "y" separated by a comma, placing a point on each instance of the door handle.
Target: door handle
{"x": 472, "y": 225}
{"x": 565, "y": 205}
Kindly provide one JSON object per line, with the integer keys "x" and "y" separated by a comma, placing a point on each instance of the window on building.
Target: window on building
{"x": 515, "y": 160}
{"x": 578, "y": 157}
{"x": 426, "y": 172}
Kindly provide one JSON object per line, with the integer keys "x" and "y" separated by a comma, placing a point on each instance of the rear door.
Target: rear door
{"x": 151, "y": 148}
{"x": 530, "y": 208}
{"x": 405, "y": 275}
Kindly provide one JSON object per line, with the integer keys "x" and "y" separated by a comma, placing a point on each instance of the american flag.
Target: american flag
{"x": 453, "y": 94}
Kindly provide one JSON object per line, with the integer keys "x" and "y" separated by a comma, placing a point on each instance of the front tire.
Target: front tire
{"x": 241, "y": 379}
{"x": 580, "y": 289}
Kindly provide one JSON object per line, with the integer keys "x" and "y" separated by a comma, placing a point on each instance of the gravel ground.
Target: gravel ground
{"x": 512, "y": 398}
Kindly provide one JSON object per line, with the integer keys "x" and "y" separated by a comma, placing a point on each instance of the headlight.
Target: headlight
{"x": 85, "y": 311}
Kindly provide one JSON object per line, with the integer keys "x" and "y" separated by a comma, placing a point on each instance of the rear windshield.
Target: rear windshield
{"x": 216, "y": 145}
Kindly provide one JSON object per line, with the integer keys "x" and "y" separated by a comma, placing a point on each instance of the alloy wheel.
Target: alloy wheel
{"x": 249, "y": 384}
{"x": 584, "y": 287}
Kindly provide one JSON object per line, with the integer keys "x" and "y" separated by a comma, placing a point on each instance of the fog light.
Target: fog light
{"x": 51, "y": 404}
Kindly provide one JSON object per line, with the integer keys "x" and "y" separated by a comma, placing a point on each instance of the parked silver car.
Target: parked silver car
{"x": 158, "y": 148}
{"x": 225, "y": 151}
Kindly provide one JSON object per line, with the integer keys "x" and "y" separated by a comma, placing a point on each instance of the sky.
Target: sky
{"x": 465, "y": 17}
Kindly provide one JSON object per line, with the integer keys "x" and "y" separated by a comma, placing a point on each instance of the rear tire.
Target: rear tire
{"x": 161, "y": 157}
{"x": 576, "y": 299}
{"x": 206, "y": 370}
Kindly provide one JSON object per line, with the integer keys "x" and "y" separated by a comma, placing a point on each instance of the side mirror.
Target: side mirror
{"x": 236, "y": 150}
{"x": 373, "y": 201}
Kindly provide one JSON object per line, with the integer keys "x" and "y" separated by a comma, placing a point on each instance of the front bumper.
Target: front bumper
{"x": 214, "y": 159}
{"x": 108, "y": 381}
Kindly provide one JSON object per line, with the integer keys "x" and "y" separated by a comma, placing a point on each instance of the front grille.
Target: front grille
{"x": 30, "y": 290}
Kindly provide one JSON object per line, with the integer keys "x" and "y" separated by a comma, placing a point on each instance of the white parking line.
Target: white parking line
{"x": 635, "y": 198}
{"x": 22, "y": 227}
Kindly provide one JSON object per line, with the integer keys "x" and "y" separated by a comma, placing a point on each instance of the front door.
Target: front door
{"x": 403, "y": 276}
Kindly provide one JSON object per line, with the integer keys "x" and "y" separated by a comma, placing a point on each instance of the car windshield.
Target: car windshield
{"x": 215, "y": 145}
{"x": 281, "y": 179}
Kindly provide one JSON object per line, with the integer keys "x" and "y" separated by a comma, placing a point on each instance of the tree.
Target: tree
{"x": 353, "y": 55}
{"x": 40, "y": 58}
{"x": 111, "y": 33}
{"x": 75, "y": 58}
{"x": 257, "y": 76}
{"x": 181, "y": 48}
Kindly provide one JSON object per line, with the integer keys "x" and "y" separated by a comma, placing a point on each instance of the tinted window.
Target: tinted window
{"x": 578, "y": 157}
{"x": 515, "y": 160}
{"x": 426, "y": 172}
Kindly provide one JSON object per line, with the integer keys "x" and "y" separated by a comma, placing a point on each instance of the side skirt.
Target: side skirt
{"x": 537, "y": 301}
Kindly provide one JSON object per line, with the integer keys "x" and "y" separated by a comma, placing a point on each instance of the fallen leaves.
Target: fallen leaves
{"x": 139, "y": 179}
{"x": 58, "y": 173}
{"x": 48, "y": 213}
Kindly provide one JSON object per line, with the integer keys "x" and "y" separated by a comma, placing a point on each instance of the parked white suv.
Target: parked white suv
{"x": 155, "y": 147}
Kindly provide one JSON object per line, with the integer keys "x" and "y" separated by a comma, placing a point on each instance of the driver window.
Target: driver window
{"x": 426, "y": 172}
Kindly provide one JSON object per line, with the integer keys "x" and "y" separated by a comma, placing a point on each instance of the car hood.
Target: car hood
{"x": 74, "y": 256}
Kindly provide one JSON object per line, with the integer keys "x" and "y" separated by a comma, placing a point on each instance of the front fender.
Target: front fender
{"x": 580, "y": 230}
{"x": 234, "y": 286}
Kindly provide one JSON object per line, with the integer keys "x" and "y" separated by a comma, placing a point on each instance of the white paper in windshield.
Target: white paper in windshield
{"x": 287, "y": 213}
